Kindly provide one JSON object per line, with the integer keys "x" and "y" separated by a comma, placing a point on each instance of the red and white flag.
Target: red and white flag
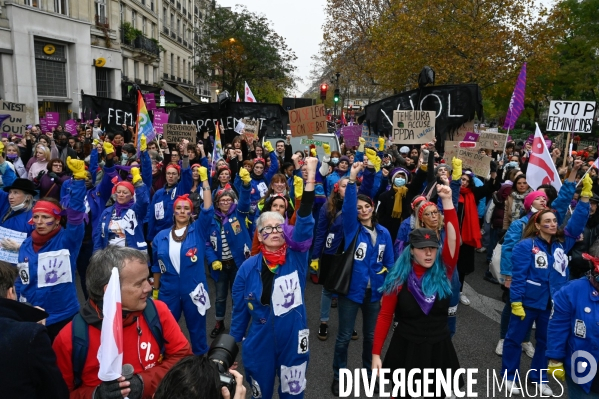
{"x": 237, "y": 100}
{"x": 110, "y": 353}
{"x": 343, "y": 120}
{"x": 541, "y": 169}
{"x": 249, "y": 96}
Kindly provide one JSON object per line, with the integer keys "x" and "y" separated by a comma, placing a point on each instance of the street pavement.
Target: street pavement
{"x": 475, "y": 340}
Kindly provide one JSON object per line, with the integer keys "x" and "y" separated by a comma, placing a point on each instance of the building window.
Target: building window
{"x": 146, "y": 72}
{"x": 61, "y": 7}
{"x": 184, "y": 71}
{"x": 32, "y": 3}
{"x": 123, "y": 11}
{"x": 133, "y": 19}
{"x": 153, "y": 32}
{"x": 136, "y": 69}
{"x": 102, "y": 82}
{"x": 143, "y": 25}
{"x": 189, "y": 72}
{"x": 178, "y": 26}
{"x": 152, "y": 5}
{"x": 125, "y": 69}
{"x": 101, "y": 11}
{"x": 51, "y": 70}
{"x": 178, "y": 67}
{"x": 172, "y": 64}
{"x": 155, "y": 75}
{"x": 164, "y": 17}
{"x": 172, "y": 21}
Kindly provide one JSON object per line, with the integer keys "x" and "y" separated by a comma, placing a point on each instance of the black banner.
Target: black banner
{"x": 454, "y": 105}
{"x": 272, "y": 117}
{"x": 112, "y": 113}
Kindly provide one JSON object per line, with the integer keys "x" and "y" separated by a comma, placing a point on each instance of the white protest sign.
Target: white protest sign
{"x": 16, "y": 236}
{"x": 413, "y": 127}
{"x": 491, "y": 141}
{"x": 571, "y": 116}
{"x": 480, "y": 164}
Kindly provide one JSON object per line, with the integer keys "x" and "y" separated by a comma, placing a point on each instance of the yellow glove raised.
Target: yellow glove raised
{"x": 587, "y": 186}
{"x": 96, "y": 142}
{"x": 377, "y": 164}
{"x": 556, "y": 370}
{"x": 244, "y": 175}
{"x": 268, "y": 146}
{"x": 108, "y": 148}
{"x": 313, "y": 152}
{"x": 155, "y": 294}
{"x": 362, "y": 140}
{"x": 1, "y": 147}
{"x": 77, "y": 167}
{"x": 456, "y": 164}
{"x": 381, "y": 143}
{"x": 361, "y": 146}
{"x": 314, "y": 265}
{"x": 518, "y": 310}
{"x": 143, "y": 144}
{"x": 298, "y": 186}
{"x": 203, "y": 172}
{"x": 327, "y": 149}
{"x": 217, "y": 265}
{"x": 136, "y": 175}
{"x": 371, "y": 155}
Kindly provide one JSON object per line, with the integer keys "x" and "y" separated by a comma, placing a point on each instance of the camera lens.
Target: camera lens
{"x": 223, "y": 351}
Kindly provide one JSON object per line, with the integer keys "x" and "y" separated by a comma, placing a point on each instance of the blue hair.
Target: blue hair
{"x": 434, "y": 281}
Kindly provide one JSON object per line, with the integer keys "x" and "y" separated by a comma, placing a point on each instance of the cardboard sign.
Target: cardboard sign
{"x": 150, "y": 100}
{"x": 492, "y": 141}
{"x": 9, "y": 107}
{"x": 160, "y": 118}
{"x": 52, "y": 119}
{"x": 15, "y": 124}
{"x": 70, "y": 126}
{"x": 413, "y": 127}
{"x": 174, "y": 133}
{"x": 307, "y": 121}
{"x": 351, "y": 135}
{"x": 315, "y": 142}
{"x": 465, "y": 128}
{"x": 251, "y": 128}
{"x": 571, "y": 116}
{"x": 480, "y": 164}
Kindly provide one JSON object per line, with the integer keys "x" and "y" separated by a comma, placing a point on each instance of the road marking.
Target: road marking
{"x": 490, "y": 307}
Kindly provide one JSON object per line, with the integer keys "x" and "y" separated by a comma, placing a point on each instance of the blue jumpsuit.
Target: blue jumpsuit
{"x": 277, "y": 340}
{"x": 187, "y": 290}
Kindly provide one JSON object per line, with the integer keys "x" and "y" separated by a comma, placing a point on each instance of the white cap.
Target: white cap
{"x": 404, "y": 149}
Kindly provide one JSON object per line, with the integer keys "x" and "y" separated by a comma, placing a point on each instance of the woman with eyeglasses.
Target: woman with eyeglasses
{"x": 230, "y": 243}
{"x": 539, "y": 270}
{"x": 268, "y": 294}
{"x": 178, "y": 265}
{"x": 373, "y": 257}
{"x": 51, "y": 182}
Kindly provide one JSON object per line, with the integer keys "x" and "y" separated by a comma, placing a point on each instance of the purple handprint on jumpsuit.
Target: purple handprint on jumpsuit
{"x": 288, "y": 293}
{"x": 51, "y": 275}
{"x": 294, "y": 381}
{"x": 201, "y": 296}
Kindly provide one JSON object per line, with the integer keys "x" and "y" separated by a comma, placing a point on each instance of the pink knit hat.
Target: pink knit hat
{"x": 531, "y": 197}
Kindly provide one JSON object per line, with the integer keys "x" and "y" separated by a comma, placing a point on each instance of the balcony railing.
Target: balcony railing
{"x": 165, "y": 76}
{"x": 179, "y": 39}
{"x": 178, "y": 79}
{"x": 142, "y": 43}
{"x": 165, "y": 30}
{"x": 102, "y": 21}
{"x": 173, "y": 35}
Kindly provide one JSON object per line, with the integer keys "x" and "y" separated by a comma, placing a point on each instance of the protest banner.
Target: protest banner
{"x": 413, "y": 127}
{"x": 160, "y": 118}
{"x": 471, "y": 137}
{"x": 307, "y": 121}
{"x": 52, "y": 120}
{"x": 150, "y": 100}
{"x": 460, "y": 133}
{"x": 317, "y": 143}
{"x": 7, "y": 107}
{"x": 480, "y": 164}
{"x": 16, "y": 236}
{"x": 174, "y": 133}
{"x": 15, "y": 124}
{"x": 491, "y": 141}
{"x": 571, "y": 116}
{"x": 351, "y": 135}
{"x": 112, "y": 113}
{"x": 70, "y": 127}
{"x": 251, "y": 128}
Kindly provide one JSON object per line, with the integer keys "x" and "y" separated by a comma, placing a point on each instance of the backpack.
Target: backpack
{"x": 495, "y": 265}
{"x": 81, "y": 338}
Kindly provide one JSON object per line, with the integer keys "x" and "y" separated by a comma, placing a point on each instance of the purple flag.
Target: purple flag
{"x": 517, "y": 101}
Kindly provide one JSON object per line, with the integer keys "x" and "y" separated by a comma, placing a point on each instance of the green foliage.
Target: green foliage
{"x": 129, "y": 32}
{"x": 239, "y": 46}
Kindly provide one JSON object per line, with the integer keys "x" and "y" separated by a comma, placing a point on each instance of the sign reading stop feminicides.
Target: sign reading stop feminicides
{"x": 571, "y": 116}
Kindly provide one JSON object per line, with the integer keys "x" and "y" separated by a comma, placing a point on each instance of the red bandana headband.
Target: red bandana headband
{"x": 423, "y": 207}
{"x": 592, "y": 259}
{"x": 125, "y": 184}
{"x": 175, "y": 166}
{"x": 183, "y": 198}
{"x": 48, "y": 208}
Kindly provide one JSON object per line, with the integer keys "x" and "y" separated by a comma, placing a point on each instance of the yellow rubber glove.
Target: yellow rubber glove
{"x": 456, "y": 164}
{"x": 155, "y": 294}
{"x": 557, "y": 370}
{"x": 298, "y": 186}
{"x": 136, "y": 175}
{"x": 313, "y": 152}
{"x": 518, "y": 310}
{"x": 1, "y": 147}
{"x": 381, "y": 143}
{"x": 268, "y": 146}
{"x": 327, "y": 149}
{"x": 143, "y": 144}
{"x": 244, "y": 175}
{"x": 361, "y": 146}
{"x": 383, "y": 270}
{"x": 377, "y": 164}
{"x": 203, "y": 172}
{"x": 587, "y": 185}
{"x": 96, "y": 142}
{"x": 77, "y": 167}
{"x": 108, "y": 148}
{"x": 217, "y": 265}
{"x": 314, "y": 265}
{"x": 370, "y": 155}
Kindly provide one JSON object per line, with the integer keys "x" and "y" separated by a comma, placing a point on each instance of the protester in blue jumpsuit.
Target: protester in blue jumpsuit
{"x": 178, "y": 265}
{"x": 260, "y": 178}
{"x": 230, "y": 243}
{"x": 572, "y": 328}
{"x": 539, "y": 270}
{"x": 268, "y": 294}
{"x": 178, "y": 182}
{"x": 48, "y": 259}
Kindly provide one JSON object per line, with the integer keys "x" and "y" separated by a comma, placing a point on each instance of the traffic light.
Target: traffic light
{"x": 323, "y": 91}
{"x": 336, "y": 97}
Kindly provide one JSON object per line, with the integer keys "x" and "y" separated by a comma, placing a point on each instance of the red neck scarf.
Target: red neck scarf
{"x": 40, "y": 240}
{"x": 274, "y": 259}
{"x": 470, "y": 225}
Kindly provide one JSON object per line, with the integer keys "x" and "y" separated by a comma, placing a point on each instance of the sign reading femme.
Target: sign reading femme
{"x": 307, "y": 121}
{"x": 571, "y": 116}
{"x": 413, "y": 127}
{"x": 174, "y": 133}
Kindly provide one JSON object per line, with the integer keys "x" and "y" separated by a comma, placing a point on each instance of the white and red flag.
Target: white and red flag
{"x": 237, "y": 100}
{"x": 541, "y": 169}
{"x": 110, "y": 353}
{"x": 249, "y": 96}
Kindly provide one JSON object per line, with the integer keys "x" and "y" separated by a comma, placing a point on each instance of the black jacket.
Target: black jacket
{"x": 28, "y": 367}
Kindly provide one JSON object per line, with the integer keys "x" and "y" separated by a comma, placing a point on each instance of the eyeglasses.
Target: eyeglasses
{"x": 272, "y": 229}
{"x": 225, "y": 201}
{"x": 429, "y": 214}
{"x": 172, "y": 174}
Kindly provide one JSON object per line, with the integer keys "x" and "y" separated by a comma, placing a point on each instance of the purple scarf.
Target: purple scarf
{"x": 415, "y": 287}
{"x": 124, "y": 207}
{"x": 223, "y": 217}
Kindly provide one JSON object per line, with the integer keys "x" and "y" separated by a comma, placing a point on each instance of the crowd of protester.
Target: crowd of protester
{"x": 264, "y": 221}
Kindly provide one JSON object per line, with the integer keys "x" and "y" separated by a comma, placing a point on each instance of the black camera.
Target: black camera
{"x": 223, "y": 352}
